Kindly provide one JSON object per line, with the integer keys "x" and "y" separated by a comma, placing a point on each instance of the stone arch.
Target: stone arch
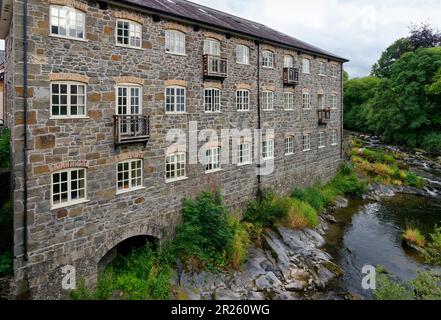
{"x": 120, "y": 235}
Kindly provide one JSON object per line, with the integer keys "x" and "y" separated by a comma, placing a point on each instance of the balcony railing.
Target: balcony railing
{"x": 131, "y": 128}
{"x": 324, "y": 116}
{"x": 290, "y": 75}
{"x": 215, "y": 66}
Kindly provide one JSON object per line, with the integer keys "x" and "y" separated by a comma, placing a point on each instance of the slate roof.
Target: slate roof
{"x": 198, "y": 13}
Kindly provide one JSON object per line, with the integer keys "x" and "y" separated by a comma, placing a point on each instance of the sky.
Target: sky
{"x": 358, "y": 30}
{"x": 355, "y": 29}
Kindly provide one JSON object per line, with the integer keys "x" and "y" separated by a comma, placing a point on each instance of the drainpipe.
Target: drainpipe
{"x": 259, "y": 126}
{"x": 25, "y": 130}
{"x": 341, "y": 114}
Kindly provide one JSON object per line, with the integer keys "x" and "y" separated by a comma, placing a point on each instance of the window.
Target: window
{"x": 175, "y": 42}
{"x": 334, "y": 101}
{"x": 306, "y": 142}
{"x": 212, "y": 159}
{"x": 306, "y": 101}
{"x": 242, "y": 54}
{"x": 334, "y": 141}
{"x": 321, "y": 140}
{"x": 267, "y": 98}
{"x": 289, "y": 145}
{"x": 268, "y": 149}
{"x": 68, "y": 187}
{"x": 243, "y": 153}
{"x": 268, "y": 59}
{"x": 128, "y": 100}
{"x": 128, "y": 33}
{"x": 175, "y": 166}
{"x": 306, "y": 66}
{"x": 212, "y": 100}
{"x": 321, "y": 69}
{"x": 129, "y": 175}
{"x": 288, "y": 100}
{"x": 320, "y": 101}
{"x": 174, "y": 99}
{"x": 67, "y": 22}
{"x": 242, "y": 100}
{"x": 212, "y": 47}
{"x": 68, "y": 100}
{"x": 334, "y": 71}
{"x": 288, "y": 61}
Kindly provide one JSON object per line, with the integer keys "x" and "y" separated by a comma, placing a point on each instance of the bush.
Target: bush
{"x": 311, "y": 195}
{"x": 413, "y": 180}
{"x": 6, "y": 264}
{"x": 5, "y": 152}
{"x": 299, "y": 214}
{"x": 348, "y": 184}
{"x": 432, "y": 142}
{"x": 6, "y": 222}
{"x": 240, "y": 244}
{"x": 433, "y": 249}
{"x": 414, "y": 236}
{"x": 204, "y": 235}
{"x": 427, "y": 286}
{"x": 263, "y": 211}
{"x": 389, "y": 289}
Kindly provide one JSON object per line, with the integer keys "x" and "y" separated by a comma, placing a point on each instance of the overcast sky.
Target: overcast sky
{"x": 355, "y": 29}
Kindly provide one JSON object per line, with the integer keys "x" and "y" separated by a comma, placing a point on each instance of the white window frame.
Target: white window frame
{"x": 69, "y": 10}
{"x": 243, "y": 100}
{"x": 135, "y": 29}
{"x": 69, "y": 85}
{"x": 175, "y": 42}
{"x": 334, "y": 71}
{"x": 321, "y": 101}
{"x": 129, "y": 99}
{"x": 243, "y": 153}
{"x": 213, "y": 160}
{"x": 289, "y": 145}
{"x": 321, "y": 69}
{"x": 268, "y": 149}
{"x": 288, "y": 61}
{"x": 306, "y": 101}
{"x": 306, "y": 142}
{"x": 131, "y": 175}
{"x": 322, "y": 140}
{"x": 334, "y": 101}
{"x": 267, "y": 100}
{"x": 212, "y": 47}
{"x": 69, "y": 201}
{"x": 214, "y": 106}
{"x": 334, "y": 138}
{"x": 242, "y": 54}
{"x": 175, "y": 99}
{"x": 268, "y": 59}
{"x": 288, "y": 101}
{"x": 306, "y": 66}
{"x": 179, "y": 158}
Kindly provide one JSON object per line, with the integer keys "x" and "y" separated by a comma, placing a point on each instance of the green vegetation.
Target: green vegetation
{"x": 144, "y": 274}
{"x": 5, "y": 152}
{"x": 381, "y": 167}
{"x": 433, "y": 247}
{"x": 426, "y": 286}
{"x": 414, "y": 236}
{"x": 6, "y": 240}
{"x": 401, "y": 100}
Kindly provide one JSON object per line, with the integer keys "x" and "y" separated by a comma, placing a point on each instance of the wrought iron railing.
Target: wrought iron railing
{"x": 215, "y": 66}
{"x": 131, "y": 128}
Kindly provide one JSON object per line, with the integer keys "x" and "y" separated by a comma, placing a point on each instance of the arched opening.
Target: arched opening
{"x": 125, "y": 247}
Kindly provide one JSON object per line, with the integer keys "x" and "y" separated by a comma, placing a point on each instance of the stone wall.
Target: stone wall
{"x": 80, "y": 235}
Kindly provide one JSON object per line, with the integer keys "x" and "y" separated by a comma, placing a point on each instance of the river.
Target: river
{"x": 369, "y": 232}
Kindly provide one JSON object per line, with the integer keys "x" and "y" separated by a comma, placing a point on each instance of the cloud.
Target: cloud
{"x": 2, "y": 45}
{"x": 357, "y": 30}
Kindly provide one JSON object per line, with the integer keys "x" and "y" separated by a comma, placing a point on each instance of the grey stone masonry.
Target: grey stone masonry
{"x": 82, "y": 233}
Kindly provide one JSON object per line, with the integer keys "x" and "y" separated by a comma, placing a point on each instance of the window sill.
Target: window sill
{"x": 243, "y": 111}
{"x": 176, "y": 113}
{"x": 176, "y": 180}
{"x": 267, "y": 159}
{"x": 213, "y": 112}
{"x": 70, "y": 204}
{"x": 244, "y": 164}
{"x": 306, "y": 72}
{"x": 306, "y": 150}
{"x": 213, "y": 171}
{"x": 243, "y": 64}
{"x": 128, "y": 47}
{"x": 321, "y": 147}
{"x": 129, "y": 190}
{"x": 322, "y": 75}
{"x": 176, "y": 54}
{"x": 289, "y": 154}
{"x": 267, "y": 109}
{"x": 269, "y": 68}
{"x": 68, "y": 118}
{"x": 288, "y": 109}
{"x": 334, "y": 144}
{"x": 68, "y": 38}
{"x": 307, "y": 109}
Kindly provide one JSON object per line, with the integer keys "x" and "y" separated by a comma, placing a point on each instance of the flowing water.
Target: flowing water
{"x": 369, "y": 233}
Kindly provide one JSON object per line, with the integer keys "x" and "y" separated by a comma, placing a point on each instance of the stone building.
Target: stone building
{"x": 93, "y": 94}
{"x": 2, "y": 85}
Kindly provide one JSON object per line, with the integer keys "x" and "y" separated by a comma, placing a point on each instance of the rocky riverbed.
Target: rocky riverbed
{"x": 290, "y": 264}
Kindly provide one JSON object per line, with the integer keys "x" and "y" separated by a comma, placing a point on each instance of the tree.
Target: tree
{"x": 422, "y": 36}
